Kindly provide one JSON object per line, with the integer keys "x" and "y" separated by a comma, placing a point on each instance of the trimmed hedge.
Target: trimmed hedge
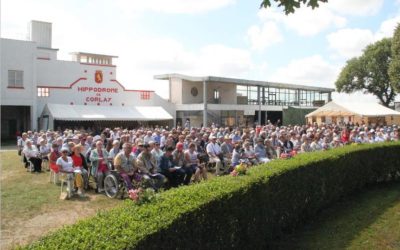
{"x": 234, "y": 212}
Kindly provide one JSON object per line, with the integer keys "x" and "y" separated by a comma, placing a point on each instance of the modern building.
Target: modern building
{"x": 228, "y": 101}
{"x": 40, "y": 92}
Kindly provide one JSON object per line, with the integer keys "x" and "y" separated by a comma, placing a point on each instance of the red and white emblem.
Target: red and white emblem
{"x": 98, "y": 76}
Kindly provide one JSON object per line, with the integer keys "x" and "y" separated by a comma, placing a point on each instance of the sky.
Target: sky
{"x": 230, "y": 38}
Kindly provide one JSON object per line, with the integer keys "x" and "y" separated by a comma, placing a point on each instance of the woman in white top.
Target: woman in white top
{"x": 32, "y": 154}
{"x": 65, "y": 164}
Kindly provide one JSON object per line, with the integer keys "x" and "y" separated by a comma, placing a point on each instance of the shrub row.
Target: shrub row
{"x": 234, "y": 212}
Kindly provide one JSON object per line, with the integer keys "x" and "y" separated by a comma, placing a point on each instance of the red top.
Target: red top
{"x": 77, "y": 160}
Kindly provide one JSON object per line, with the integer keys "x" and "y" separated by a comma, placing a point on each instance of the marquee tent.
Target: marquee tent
{"x": 356, "y": 112}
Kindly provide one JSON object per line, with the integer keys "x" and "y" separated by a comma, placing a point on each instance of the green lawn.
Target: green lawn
{"x": 30, "y": 204}
{"x": 367, "y": 220}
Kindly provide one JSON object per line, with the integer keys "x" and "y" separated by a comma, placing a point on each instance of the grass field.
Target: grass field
{"x": 368, "y": 220}
{"x": 30, "y": 208}
{"x": 30, "y": 205}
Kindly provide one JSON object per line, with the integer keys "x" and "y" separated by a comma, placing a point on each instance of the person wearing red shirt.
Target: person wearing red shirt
{"x": 79, "y": 162}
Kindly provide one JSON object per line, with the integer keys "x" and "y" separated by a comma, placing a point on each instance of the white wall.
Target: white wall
{"x": 176, "y": 90}
{"x": 227, "y": 92}
{"x": 18, "y": 55}
{"x": 187, "y": 97}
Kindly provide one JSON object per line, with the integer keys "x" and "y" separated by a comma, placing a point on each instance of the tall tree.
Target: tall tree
{"x": 394, "y": 67}
{"x": 290, "y": 5}
{"x": 369, "y": 73}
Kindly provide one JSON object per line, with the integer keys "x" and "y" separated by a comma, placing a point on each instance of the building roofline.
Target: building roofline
{"x": 240, "y": 81}
{"x": 91, "y": 54}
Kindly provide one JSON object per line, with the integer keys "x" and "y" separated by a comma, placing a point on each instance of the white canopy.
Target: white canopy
{"x": 102, "y": 113}
{"x": 353, "y": 108}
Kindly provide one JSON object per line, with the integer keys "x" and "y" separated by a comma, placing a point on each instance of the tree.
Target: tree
{"x": 369, "y": 73}
{"x": 394, "y": 67}
{"x": 290, "y": 5}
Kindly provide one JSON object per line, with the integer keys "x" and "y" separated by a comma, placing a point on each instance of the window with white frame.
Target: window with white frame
{"x": 43, "y": 92}
{"x": 16, "y": 78}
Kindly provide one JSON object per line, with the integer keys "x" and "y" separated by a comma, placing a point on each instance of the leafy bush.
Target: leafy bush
{"x": 234, "y": 212}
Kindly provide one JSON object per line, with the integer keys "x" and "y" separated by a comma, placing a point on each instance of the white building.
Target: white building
{"x": 40, "y": 92}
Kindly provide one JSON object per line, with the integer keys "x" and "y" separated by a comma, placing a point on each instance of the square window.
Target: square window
{"x": 16, "y": 78}
{"x": 43, "y": 92}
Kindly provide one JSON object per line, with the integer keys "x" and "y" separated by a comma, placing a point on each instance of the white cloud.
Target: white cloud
{"x": 305, "y": 21}
{"x": 173, "y": 6}
{"x": 265, "y": 36}
{"x": 355, "y": 7}
{"x": 142, "y": 59}
{"x": 350, "y": 42}
{"x": 387, "y": 28}
{"x": 312, "y": 70}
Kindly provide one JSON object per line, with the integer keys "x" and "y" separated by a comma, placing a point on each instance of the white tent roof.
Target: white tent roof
{"x": 353, "y": 108}
{"x": 111, "y": 113}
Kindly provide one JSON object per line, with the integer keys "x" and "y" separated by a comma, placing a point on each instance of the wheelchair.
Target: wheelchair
{"x": 114, "y": 185}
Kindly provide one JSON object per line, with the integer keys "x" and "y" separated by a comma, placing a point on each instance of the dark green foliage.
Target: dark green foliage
{"x": 295, "y": 116}
{"x": 290, "y": 5}
{"x": 394, "y": 67}
{"x": 370, "y": 73}
{"x": 234, "y": 212}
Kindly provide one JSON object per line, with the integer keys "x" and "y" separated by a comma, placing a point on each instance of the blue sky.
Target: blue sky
{"x": 231, "y": 38}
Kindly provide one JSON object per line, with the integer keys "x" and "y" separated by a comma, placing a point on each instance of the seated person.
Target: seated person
{"x": 215, "y": 154}
{"x": 54, "y": 155}
{"x": 79, "y": 162}
{"x": 44, "y": 149}
{"x": 65, "y": 164}
{"x": 148, "y": 168}
{"x": 227, "y": 148}
{"x": 261, "y": 152}
{"x": 193, "y": 163}
{"x": 174, "y": 174}
{"x": 178, "y": 158}
{"x": 270, "y": 150}
{"x": 237, "y": 155}
{"x": 249, "y": 153}
{"x": 124, "y": 163}
{"x": 32, "y": 154}
{"x": 114, "y": 150}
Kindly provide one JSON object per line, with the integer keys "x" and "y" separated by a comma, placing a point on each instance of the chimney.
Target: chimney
{"x": 40, "y": 32}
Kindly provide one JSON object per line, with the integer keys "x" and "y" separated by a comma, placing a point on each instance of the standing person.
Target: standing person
{"x": 21, "y": 146}
{"x": 174, "y": 174}
{"x": 66, "y": 165}
{"x": 32, "y": 154}
{"x": 98, "y": 158}
{"x": 124, "y": 163}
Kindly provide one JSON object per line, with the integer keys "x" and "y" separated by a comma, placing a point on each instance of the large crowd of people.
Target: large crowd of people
{"x": 163, "y": 158}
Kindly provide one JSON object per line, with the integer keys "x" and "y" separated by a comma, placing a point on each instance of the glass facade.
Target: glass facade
{"x": 280, "y": 96}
